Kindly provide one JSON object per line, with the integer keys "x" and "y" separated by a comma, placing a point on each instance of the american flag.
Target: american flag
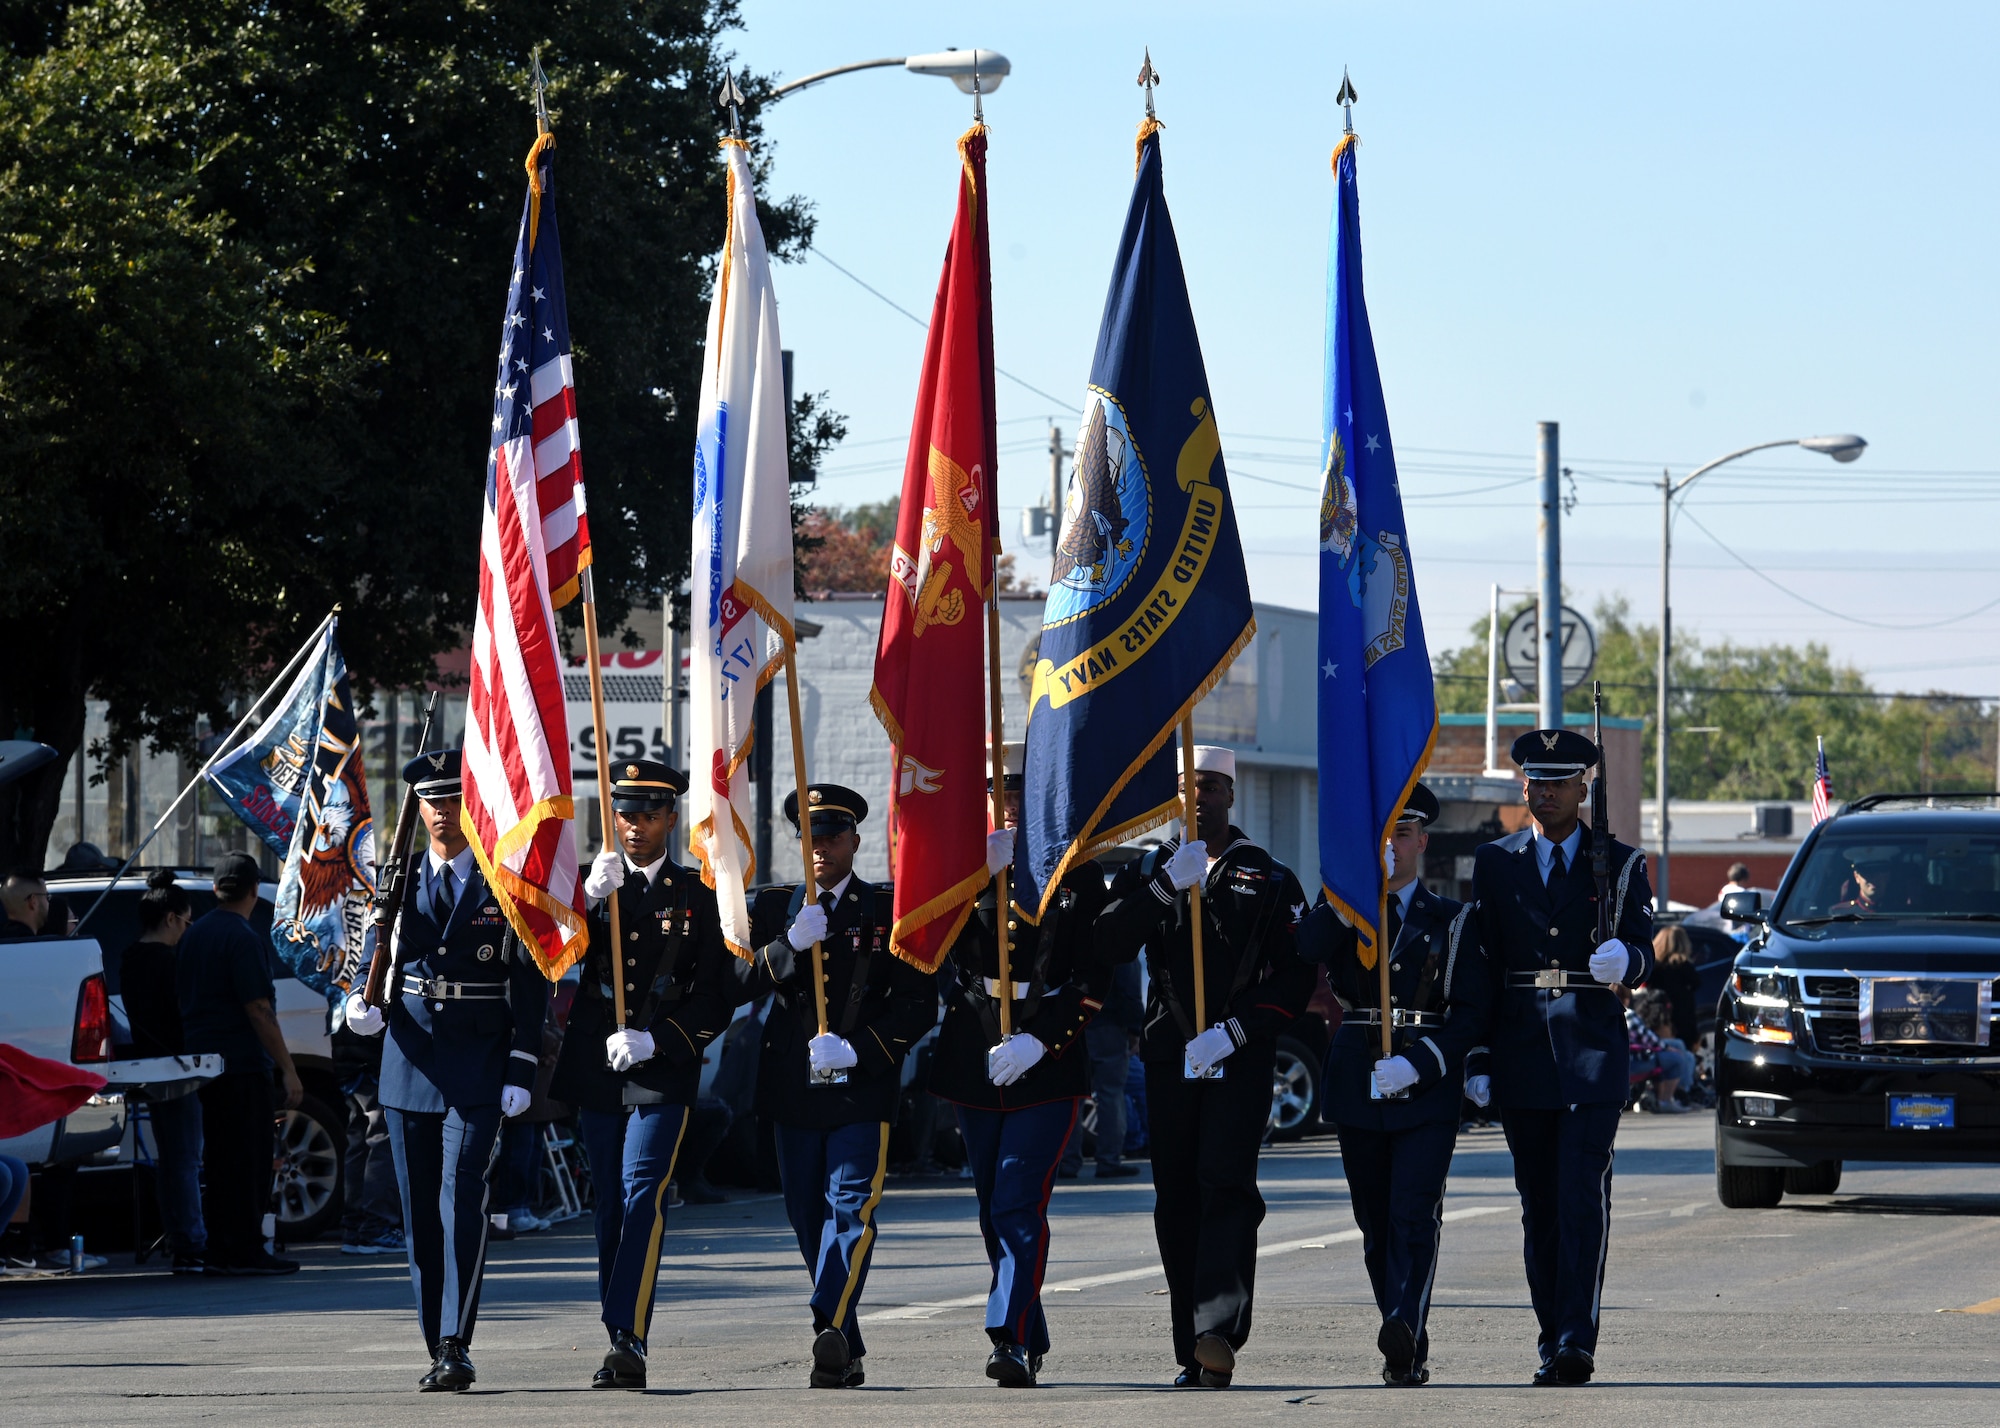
{"x": 1822, "y": 789}
{"x": 534, "y": 550}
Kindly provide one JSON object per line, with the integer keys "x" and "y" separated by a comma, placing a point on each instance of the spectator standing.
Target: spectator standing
{"x": 1112, "y": 1039}
{"x": 1739, "y": 880}
{"x": 147, "y": 984}
{"x": 24, "y": 899}
{"x": 1674, "y": 974}
{"x": 228, "y": 1007}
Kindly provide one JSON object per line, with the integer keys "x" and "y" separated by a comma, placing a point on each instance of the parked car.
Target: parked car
{"x": 312, "y": 1137}
{"x": 1716, "y": 940}
{"x": 1859, "y": 1022}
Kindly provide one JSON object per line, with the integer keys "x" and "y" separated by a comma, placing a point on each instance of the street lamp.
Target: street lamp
{"x": 958, "y": 66}
{"x": 1842, "y": 449}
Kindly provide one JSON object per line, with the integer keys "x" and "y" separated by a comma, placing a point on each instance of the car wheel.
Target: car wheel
{"x": 311, "y": 1143}
{"x": 1294, "y": 1090}
{"x": 1821, "y": 1178}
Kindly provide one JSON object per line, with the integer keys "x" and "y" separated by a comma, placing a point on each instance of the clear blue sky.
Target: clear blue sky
{"x": 1675, "y": 229}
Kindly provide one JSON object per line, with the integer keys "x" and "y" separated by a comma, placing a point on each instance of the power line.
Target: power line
{"x": 1648, "y": 687}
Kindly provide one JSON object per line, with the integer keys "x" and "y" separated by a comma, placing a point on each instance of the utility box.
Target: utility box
{"x": 1772, "y": 820}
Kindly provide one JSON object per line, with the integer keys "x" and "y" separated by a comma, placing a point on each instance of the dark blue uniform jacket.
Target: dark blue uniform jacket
{"x": 458, "y": 1053}
{"x": 1555, "y": 1047}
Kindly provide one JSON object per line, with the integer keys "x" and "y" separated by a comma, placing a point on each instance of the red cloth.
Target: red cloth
{"x": 35, "y": 1091}
{"x": 930, "y": 686}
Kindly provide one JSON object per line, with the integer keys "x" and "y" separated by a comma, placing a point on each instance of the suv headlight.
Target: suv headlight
{"x": 1762, "y": 1008}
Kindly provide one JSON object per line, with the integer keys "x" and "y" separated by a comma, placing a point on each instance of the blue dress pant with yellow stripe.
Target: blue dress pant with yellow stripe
{"x": 1014, "y": 1155}
{"x": 441, "y": 1167}
{"x": 631, "y": 1155}
{"x": 833, "y": 1184}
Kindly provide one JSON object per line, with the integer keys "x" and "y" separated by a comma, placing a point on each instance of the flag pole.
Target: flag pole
{"x": 226, "y": 746}
{"x": 805, "y": 824}
{"x": 1194, "y": 892}
{"x": 607, "y": 822}
{"x": 1003, "y": 911}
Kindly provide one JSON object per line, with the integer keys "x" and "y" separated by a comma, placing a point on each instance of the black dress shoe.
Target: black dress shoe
{"x": 1188, "y": 1378}
{"x": 624, "y": 1364}
{"x": 1545, "y": 1377}
{"x": 1414, "y": 1377}
{"x": 1116, "y": 1172}
{"x": 1008, "y": 1366}
{"x": 830, "y": 1359}
{"x": 855, "y": 1376}
{"x": 1573, "y": 1366}
{"x": 1398, "y": 1343}
{"x": 1217, "y": 1360}
{"x": 452, "y": 1372}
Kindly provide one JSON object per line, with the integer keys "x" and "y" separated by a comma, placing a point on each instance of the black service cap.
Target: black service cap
{"x": 434, "y": 774}
{"x": 1422, "y": 807}
{"x": 1553, "y": 753}
{"x": 641, "y": 785}
{"x": 834, "y": 809}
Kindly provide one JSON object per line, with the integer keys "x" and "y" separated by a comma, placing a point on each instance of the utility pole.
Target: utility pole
{"x": 1549, "y": 615}
{"x": 1055, "y": 492}
{"x": 1663, "y": 686}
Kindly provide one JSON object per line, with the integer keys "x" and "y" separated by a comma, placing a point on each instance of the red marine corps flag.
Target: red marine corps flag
{"x": 929, "y": 688}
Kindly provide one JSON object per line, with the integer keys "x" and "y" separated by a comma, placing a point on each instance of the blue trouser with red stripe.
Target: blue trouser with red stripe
{"x": 1014, "y": 1155}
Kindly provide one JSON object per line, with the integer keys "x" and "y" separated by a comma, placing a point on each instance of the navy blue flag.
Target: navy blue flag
{"x": 1148, "y": 600}
{"x": 1377, "y": 705}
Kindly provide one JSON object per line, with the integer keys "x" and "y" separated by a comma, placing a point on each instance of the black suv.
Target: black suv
{"x": 1858, "y": 1023}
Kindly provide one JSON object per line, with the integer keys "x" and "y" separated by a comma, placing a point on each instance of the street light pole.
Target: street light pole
{"x": 958, "y": 66}
{"x": 1842, "y": 449}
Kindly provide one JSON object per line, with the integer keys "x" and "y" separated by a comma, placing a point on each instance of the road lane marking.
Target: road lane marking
{"x": 1151, "y": 1271}
{"x": 1984, "y": 1306}
{"x": 1681, "y": 1212}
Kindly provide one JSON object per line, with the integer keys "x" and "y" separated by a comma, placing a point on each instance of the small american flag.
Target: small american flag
{"x": 534, "y": 552}
{"x": 1822, "y": 790}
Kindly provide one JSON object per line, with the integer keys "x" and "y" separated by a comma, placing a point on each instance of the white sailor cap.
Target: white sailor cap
{"x": 1214, "y": 758}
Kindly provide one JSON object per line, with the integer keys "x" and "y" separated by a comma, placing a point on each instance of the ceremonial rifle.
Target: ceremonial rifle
{"x": 1600, "y": 819}
{"x": 392, "y": 882}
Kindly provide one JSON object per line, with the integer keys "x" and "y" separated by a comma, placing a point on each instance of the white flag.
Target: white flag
{"x": 740, "y": 617}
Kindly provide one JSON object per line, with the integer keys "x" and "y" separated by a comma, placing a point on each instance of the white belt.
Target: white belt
{"x": 993, "y": 989}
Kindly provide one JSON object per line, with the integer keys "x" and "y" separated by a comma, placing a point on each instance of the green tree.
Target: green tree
{"x": 1759, "y": 709}
{"x": 255, "y": 260}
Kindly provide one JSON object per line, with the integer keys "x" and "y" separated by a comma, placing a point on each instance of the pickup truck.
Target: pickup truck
{"x": 53, "y": 1005}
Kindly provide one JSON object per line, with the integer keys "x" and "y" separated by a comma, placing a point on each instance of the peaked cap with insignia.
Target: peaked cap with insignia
{"x": 641, "y": 785}
{"x": 834, "y": 809}
{"x": 434, "y": 774}
{"x": 1553, "y": 754}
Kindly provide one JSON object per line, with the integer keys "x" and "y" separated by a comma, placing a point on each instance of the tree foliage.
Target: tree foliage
{"x": 255, "y": 259}
{"x": 1766, "y": 704}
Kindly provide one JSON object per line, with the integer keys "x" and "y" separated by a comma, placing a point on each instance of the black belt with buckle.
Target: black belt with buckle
{"x": 1554, "y": 979}
{"x": 1369, "y": 1016}
{"x": 431, "y": 989}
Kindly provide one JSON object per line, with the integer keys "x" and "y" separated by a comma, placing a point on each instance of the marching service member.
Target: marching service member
{"x": 832, "y": 1094}
{"x": 634, "y": 1085}
{"x": 1560, "y": 1056}
{"x": 1397, "y": 1116}
{"x": 1017, "y": 1098}
{"x": 464, "y": 1029}
{"x": 1208, "y": 1090}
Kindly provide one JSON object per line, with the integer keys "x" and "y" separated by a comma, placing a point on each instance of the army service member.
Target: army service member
{"x": 1560, "y": 1055}
{"x": 1017, "y": 1099}
{"x": 832, "y": 1097}
{"x": 1397, "y": 1116}
{"x": 633, "y": 1086}
{"x": 464, "y": 1028}
{"x": 1206, "y": 1132}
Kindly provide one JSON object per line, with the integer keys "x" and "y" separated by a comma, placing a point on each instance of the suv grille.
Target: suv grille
{"x": 1836, "y": 1035}
{"x": 1821, "y": 988}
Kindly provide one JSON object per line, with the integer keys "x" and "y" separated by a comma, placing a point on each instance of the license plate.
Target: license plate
{"x": 1923, "y": 1112}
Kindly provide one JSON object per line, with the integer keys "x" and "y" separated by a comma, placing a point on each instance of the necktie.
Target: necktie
{"x": 826, "y": 900}
{"x": 1557, "y": 864}
{"x": 446, "y": 897}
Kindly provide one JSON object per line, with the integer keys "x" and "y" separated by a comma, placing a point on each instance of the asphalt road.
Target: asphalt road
{"x": 1845, "y": 1308}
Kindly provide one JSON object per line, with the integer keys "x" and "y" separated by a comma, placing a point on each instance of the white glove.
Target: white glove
{"x": 1188, "y": 865}
{"x": 626, "y": 1049}
{"x": 1210, "y": 1047}
{"x": 999, "y": 851}
{"x": 1609, "y": 962}
{"x": 607, "y": 874}
{"x": 362, "y": 1018}
{"x": 828, "y": 1052}
{"x": 1395, "y": 1073}
{"x": 1389, "y": 859}
{"x": 1012, "y": 1058}
{"x": 514, "y": 1100}
{"x": 1479, "y": 1090}
{"x": 807, "y": 928}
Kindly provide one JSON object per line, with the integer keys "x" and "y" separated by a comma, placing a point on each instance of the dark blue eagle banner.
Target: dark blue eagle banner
{"x": 1148, "y": 599}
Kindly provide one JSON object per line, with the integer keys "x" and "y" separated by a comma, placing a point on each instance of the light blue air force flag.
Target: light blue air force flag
{"x": 1377, "y": 705}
